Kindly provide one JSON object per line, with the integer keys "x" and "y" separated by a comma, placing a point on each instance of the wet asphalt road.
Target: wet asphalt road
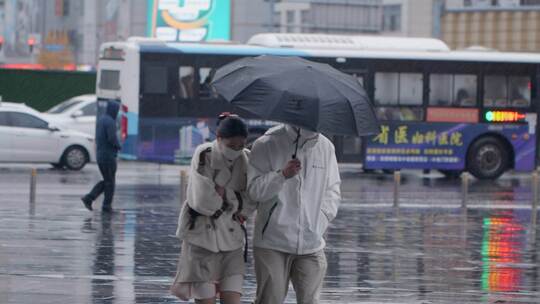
{"x": 430, "y": 250}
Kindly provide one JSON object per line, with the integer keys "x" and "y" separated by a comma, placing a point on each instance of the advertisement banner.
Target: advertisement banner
{"x": 189, "y": 20}
{"x": 442, "y": 145}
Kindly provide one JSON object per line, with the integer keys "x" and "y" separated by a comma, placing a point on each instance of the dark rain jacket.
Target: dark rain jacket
{"x": 106, "y": 138}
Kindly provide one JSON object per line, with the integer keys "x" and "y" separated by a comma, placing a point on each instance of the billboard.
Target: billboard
{"x": 189, "y": 20}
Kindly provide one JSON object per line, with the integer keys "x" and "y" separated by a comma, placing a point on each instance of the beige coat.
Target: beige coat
{"x": 223, "y": 233}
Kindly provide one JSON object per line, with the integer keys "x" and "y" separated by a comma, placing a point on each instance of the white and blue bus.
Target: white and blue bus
{"x": 471, "y": 110}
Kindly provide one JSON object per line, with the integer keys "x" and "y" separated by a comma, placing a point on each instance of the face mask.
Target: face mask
{"x": 229, "y": 153}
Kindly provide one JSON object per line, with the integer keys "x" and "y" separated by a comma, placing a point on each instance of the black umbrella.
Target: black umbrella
{"x": 293, "y": 90}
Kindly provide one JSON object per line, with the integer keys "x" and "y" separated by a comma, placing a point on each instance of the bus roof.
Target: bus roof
{"x": 348, "y": 42}
{"x": 222, "y": 49}
{"x": 392, "y": 54}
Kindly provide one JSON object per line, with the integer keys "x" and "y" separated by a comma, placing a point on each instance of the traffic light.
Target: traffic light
{"x": 31, "y": 42}
{"x": 1, "y": 42}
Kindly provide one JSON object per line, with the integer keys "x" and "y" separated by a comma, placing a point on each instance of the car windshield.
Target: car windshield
{"x": 64, "y": 106}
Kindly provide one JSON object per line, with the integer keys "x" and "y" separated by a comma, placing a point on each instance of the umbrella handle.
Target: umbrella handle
{"x": 297, "y": 140}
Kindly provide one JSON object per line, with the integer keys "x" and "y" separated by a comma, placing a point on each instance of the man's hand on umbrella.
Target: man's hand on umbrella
{"x": 292, "y": 168}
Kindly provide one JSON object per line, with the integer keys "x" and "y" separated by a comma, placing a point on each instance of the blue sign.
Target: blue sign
{"x": 54, "y": 47}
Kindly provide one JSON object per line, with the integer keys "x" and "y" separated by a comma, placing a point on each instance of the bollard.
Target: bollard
{"x": 465, "y": 222}
{"x": 464, "y": 189}
{"x": 534, "y": 199}
{"x": 33, "y": 178}
{"x": 183, "y": 186}
{"x": 397, "y": 182}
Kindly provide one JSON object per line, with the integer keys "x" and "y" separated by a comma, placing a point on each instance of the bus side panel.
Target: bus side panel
{"x": 173, "y": 140}
{"x": 442, "y": 145}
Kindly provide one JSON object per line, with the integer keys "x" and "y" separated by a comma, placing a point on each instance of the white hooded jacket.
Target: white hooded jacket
{"x": 293, "y": 214}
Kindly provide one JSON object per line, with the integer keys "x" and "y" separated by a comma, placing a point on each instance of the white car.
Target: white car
{"x": 77, "y": 113}
{"x": 27, "y": 136}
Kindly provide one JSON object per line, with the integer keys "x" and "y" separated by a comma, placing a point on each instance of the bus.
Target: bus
{"x": 469, "y": 110}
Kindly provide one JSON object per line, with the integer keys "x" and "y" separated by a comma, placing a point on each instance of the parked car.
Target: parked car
{"x": 27, "y": 136}
{"x": 77, "y": 113}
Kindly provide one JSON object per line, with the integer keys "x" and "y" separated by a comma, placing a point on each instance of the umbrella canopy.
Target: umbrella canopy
{"x": 293, "y": 90}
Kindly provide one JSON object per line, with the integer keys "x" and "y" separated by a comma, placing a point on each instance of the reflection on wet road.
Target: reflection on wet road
{"x": 428, "y": 251}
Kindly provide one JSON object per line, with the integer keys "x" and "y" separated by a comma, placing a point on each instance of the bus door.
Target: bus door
{"x": 159, "y": 82}
{"x": 349, "y": 148}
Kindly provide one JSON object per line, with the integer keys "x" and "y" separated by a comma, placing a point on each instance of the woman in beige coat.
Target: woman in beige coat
{"x": 210, "y": 224}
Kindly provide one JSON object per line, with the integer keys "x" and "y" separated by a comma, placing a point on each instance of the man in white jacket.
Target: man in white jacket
{"x": 297, "y": 198}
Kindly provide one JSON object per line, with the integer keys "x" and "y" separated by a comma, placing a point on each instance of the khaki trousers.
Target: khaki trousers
{"x": 274, "y": 270}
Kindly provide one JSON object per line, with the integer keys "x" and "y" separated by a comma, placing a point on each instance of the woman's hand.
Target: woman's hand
{"x": 220, "y": 191}
{"x": 239, "y": 217}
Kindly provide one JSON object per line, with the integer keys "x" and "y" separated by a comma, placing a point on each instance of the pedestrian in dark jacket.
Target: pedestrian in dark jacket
{"x": 107, "y": 150}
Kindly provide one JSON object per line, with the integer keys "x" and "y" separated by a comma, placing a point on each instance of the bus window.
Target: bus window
{"x": 495, "y": 91}
{"x": 519, "y": 91}
{"x": 448, "y": 90}
{"x": 507, "y": 91}
{"x": 360, "y": 80}
{"x": 400, "y": 96}
{"x": 410, "y": 89}
{"x": 398, "y": 89}
{"x": 359, "y": 76}
{"x": 109, "y": 80}
{"x": 387, "y": 92}
{"x": 464, "y": 91}
{"x": 399, "y": 113}
{"x": 440, "y": 90}
{"x": 155, "y": 80}
{"x": 205, "y": 77}
{"x": 187, "y": 82}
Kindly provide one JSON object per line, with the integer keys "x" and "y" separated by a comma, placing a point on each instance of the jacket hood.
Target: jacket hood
{"x": 112, "y": 109}
{"x": 307, "y": 138}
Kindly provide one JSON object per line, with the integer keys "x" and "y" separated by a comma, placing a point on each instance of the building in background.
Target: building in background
{"x": 68, "y": 33}
{"x": 249, "y": 17}
{"x": 332, "y": 17}
{"x": 107, "y": 20}
{"x": 305, "y": 16}
{"x": 504, "y": 25}
{"x": 54, "y": 33}
{"x": 18, "y": 23}
{"x": 411, "y": 18}
{"x": 2, "y": 31}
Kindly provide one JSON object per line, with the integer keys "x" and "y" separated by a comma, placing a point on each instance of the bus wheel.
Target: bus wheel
{"x": 487, "y": 158}
{"x": 388, "y": 171}
{"x": 451, "y": 174}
